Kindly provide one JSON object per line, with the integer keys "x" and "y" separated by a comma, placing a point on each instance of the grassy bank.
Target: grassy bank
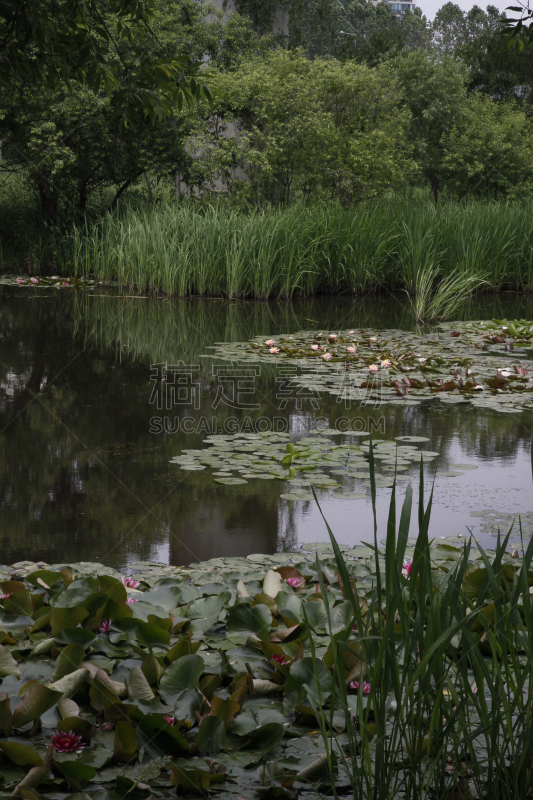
{"x": 217, "y": 250}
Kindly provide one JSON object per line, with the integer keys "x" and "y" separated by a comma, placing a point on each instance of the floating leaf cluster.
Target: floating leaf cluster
{"x": 50, "y": 281}
{"x": 314, "y": 460}
{"x": 480, "y": 363}
{"x": 199, "y": 683}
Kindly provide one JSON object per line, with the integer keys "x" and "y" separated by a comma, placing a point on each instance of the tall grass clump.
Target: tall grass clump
{"x": 443, "y": 656}
{"x": 184, "y": 249}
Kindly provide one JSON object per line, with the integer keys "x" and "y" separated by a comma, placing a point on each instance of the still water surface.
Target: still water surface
{"x": 84, "y": 477}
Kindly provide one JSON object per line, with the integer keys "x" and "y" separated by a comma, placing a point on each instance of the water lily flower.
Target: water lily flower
{"x": 5, "y": 596}
{"x": 270, "y": 342}
{"x": 350, "y": 349}
{"x": 131, "y": 583}
{"x": 350, "y": 332}
{"x": 171, "y": 720}
{"x": 278, "y": 659}
{"x": 332, "y": 336}
{"x": 67, "y": 742}
{"x": 366, "y": 686}
{"x": 104, "y": 626}
{"x": 294, "y": 582}
{"x": 327, "y": 356}
{"x": 373, "y": 339}
{"x": 20, "y": 280}
{"x": 373, "y": 368}
{"x": 34, "y": 280}
{"x": 274, "y": 350}
{"x": 65, "y": 283}
{"x": 130, "y": 600}
{"x": 385, "y": 364}
{"x": 407, "y": 567}
{"x": 314, "y": 347}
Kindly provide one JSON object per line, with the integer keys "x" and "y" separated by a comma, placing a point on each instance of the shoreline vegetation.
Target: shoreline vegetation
{"x": 216, "y": 250}
{"x": 399, "y": 668}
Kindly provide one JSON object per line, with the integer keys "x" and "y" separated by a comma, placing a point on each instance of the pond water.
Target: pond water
{"x": 88, "y": 431}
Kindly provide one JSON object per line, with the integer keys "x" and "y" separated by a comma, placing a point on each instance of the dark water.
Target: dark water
{"x": 83, "y": 478}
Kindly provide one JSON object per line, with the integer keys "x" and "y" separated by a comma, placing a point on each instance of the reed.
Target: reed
{"x": 448, "y": 657}
{"x": 218, "y": 250}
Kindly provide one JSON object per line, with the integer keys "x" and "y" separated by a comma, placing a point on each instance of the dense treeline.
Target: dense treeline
{"x": 442, "y": 109}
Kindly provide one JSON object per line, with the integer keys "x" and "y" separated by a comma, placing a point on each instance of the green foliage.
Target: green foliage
{"x": 58, "y": 43}
{"x": 285, "y": 128}
{"x": 436, "y": 96}
{"x": 447, "y": 665}
{"x": 436, "y": 637}
{"x": 179, "y": 249}
{"x": 489, "y": 153}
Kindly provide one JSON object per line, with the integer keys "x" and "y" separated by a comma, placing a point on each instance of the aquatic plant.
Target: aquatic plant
{"x": 449, "y": 667}
{"x": 184, "y": 249}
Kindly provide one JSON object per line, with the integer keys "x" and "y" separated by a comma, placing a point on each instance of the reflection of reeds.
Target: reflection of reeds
{"x": 448, "y": 659}
{"x": 220, "y": 251}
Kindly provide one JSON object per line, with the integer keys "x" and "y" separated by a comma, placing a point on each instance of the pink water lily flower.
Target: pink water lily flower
{"x": 332, "y": 336}
{"x": 5, "y": 596}
{"x": 350, "y": 332}
{"x": 104, "y": 626}
{"x": 314, "y": 347}
{"x": 131, "y": 583}
{"x": 350, "y": 349}
{"x": 68, "y": 742}
{"x": 34, "y": 280}
{"x": 385, "y": 364}
{"x": 130, "y": 600}
{"x": 20, "y": 280}
{"x": 327, "y": 356}
{"x": 373, "y": 368}
{"x": 274, "y": 350}
{"x": 407, "y": 567}
{"x": 373, "y": 339}
{"x": 65, "y": 283}
{"x": 270, "y": 342}
{"x": 366, "y": 686}
{"x": 294, "y": 582}
{"x": 278, "y": 659}
{"x": 171, "y": 720}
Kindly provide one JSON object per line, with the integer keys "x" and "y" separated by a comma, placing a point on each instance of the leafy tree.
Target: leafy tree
{"x": 70, "y": 143}
{"x": 494, "y": 68}
{"x": 53, "y": 43}
{"x": 435, "y": 93}
{"x": 284, "y": 128}
{"x": 489, "y": 153}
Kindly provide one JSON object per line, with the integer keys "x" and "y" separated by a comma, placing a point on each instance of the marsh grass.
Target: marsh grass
{"x": 217, "y": 250}
{"x": 449, "y": 659}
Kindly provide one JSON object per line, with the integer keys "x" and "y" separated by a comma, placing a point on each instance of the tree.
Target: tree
{"x": 493, "y": 67}
{"x": 285, "y": 128}
{"x": 71, "y": 145}
{"x": 489, "y": 153}
{"x": 435, "y": 93}
{"x": 56, "y": 43}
